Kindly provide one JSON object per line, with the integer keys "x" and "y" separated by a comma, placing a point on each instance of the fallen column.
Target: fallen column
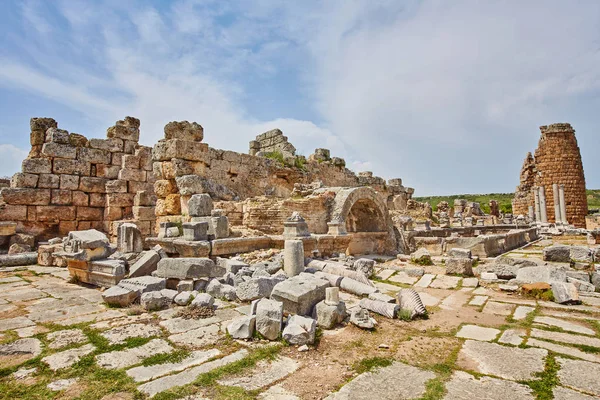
{"x": 355, "y": 287}
{"x": 348, "y": 273}
{"x": 388, "y": 310}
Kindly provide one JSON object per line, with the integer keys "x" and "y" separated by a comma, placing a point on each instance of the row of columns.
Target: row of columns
{"x": 560, "y": 210}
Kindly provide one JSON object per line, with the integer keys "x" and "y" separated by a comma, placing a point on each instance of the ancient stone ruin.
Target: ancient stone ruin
{"x": 178, "y": 271}
{"x": 552, "y": 183}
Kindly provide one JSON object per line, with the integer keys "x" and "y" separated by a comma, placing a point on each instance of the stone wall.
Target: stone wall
{"x": 272, "y": 141}
{"x": 68, "y": 182}
{"x": 557, "y": 160}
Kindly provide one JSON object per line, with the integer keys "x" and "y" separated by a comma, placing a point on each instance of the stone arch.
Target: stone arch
{"x": 358, "y": 209}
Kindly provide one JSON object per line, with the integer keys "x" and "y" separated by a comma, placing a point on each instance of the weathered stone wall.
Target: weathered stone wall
{"x": 272, "y": 141}
{"x": 556, "y": 160}
{"x": 71, "y": 183}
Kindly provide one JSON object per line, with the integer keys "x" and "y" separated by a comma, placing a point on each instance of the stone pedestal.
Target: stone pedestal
{"x": 129, "y": 239}
{"x": 336, "y": 228}
{"x": 295, "y": 226}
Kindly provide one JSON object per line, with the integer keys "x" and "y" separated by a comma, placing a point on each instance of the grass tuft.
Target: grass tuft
{"x": 368, "y": 364}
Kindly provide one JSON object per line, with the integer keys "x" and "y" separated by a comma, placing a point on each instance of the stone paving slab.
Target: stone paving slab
{"x": 10, "y": 279}
{"x": 429, "y": 300}
{"x": 188, "y": 376}
{"x": 179, "y": 325}
{"x": 425, "y": 280}
{"x": 277, "y": 392}
{"x": 403, "y": 277}
{"x": 478, "y": 300}
{"x": 491, "y": 359}
{"x": 464, "y": 386}
{"x": 513, "y": 336}
{"x": 121, "y": 334}
{"x": 65, "y": 312}
{"x": 60, "y": 339}
{"x": 565, "y": 337}
{"x": 482, "y": 291}
{"x": 23, "y": 294}
{"x": 569, "y": 351}
{"x": 470, "y": 282}
{"x": 128, "y": 357}
{"x": 67, "y": 358}
{"x": 561, "y": 393}
{"x": 477, "y": 333}
{"x": 495, "y": 308}
{"x": 521, "y": 312}
{"x": 143, "y": 374}
{"x": 385, "y": 274}
{"x": 15, "y": 323}
{"x": 408, "y": 383}
{"x": 579, "y": 375}
{"x": 264, "y": 374}
{"x": 454, "y": 301}
{"x": 564, "y": 325}
{"x": 445, "y": 282}
{"x": 197, "y": 337}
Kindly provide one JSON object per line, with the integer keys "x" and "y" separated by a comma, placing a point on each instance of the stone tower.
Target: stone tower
{"x": 556, "y": 163}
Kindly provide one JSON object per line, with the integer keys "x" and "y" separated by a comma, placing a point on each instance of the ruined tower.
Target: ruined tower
{"x": 556, "y": 165}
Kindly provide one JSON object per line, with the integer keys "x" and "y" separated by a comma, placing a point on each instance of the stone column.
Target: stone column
{"x": 531, "y": 214}
{"x": 563, "y": 207}
{"x": 557, "y": 215}
{"x": 536, "y": 203}
{"x": 543, "y": 211}
{"x": 293, "y": 257}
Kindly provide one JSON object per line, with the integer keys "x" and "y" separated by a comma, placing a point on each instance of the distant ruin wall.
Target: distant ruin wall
{"x": 68, "y": 182}
{"x": 557, "y": 160}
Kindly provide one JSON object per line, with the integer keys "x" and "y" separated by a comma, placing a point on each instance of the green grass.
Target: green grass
{"x": 593, "y": 198}
{"x": 163, "y": 358}
{"x": 368, "y": 364}
{"x": 546, "y": 381}
{"x": 275, "y": 155}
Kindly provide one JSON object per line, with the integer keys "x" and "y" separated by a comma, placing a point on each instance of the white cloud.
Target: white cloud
{"x": 10, "y": 159}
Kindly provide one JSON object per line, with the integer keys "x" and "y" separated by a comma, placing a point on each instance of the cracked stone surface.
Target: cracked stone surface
{"x": 265, "y": 374}
{"x": 121, "y": 334}
{"x": 60, "y": 339}
{"x": 128, "y": 357}
{"x": 143, "y": 374}
{"x": 67, "y": 358}
{"x": 579, "y": 375}
{"x": 477, "y": 333}
{"x": 491, "y": 359}
{"x": 464, "y": 386}
{"x": 564, "y": 325}
{"x": 374, "y": 385}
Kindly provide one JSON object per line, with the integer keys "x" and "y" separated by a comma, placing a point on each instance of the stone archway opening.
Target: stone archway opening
{"x": 365, "y": 216}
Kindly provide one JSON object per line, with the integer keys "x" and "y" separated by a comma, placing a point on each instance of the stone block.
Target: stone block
{"x": 129, "y": 239}
{"x": 176, "y": 148}
{"x": 186, "y": 248}
{"x": 203, "y": 300}
{"x": 80, "y": 198}
{"x": 92, "y": 184}
{"x": 293, "y": 257}
{"x": 24, "y": 180}
{"x": 8, "y": 228}
{"x": 164, "y": 187}
{"x": 59, "y": 150}
{"x": 111, "y": 145}
{"x": 144, "y": 284}
{"x": 97, "y": 200}
{"x": 69, "y": 182}
{"x": 195, "y": 231}
{"x": 90, "y": 213}
{"x": 565, "y": 293}
{"x": 70, "y": 167}
{"x": 55, "y": 214}
{"x": 459, "y": 266}
{"x": 107, "y": 171}
{"x": 13, "y": 213}
{"x": 144, "y": 199}
{"x": 36, "y": 166}
{"x": 132, "y": 175}
{"x": 152, "y": 301}
{"x": 300, "y": 294}
{"x": 145, "y": 265}
{"x": 119, "y": 199}
{"x": 300, "y": 330}
{"x": 200, "y": 205}
{"x": 242, "y": 327}
{"x": 116, "y": 186}
{"x": 364, "y": 265}
{"x": 49, "y": 181}
{"x": 143, "y": 213}
{"x": 545, "y": 273}
{"x": 61, "y": 197}
{"x": 269, "y": 318}
{"x": 130, "y": 161}
{"x": 188, "y": 268}
{"x": 255, "y": 288}
{"x": 95, "y": 156}
{"x": 581, "y": 254}
{"x": 119, "y": 296}
{"x": 457, "y": 252}
{"x": 557, "y": 253}
{"x": 328, "y": 316}
{"x": 184, "y": 130}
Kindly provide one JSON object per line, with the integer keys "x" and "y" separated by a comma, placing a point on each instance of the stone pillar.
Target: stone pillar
{"x": 536, "y": 196}
{"x": 332, "y": 296}
{"x": 563, "y": 207}
{"x": 557, "y": 214}
{"x": 531, "y": 213}
{"x": 543, "y": 211}
{"x": 293, "y": 257}
{"x": 129, "y": 239}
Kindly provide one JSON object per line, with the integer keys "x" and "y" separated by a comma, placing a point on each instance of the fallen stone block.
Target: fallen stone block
{"x": 328, "y": 316}
{"x": 364, "y": 266}
{"x": 243, "y": 327}
{"x": 119, "y": 296}
{"x": 300, "y": 330}
{"x": 557, "y": 253}
{"x": 200, "y": 205}
{"x": 152, "y": 301}
{"x": 581, "y": 285}
{"x": 144, "y": 284}
{"x": 203, "y": 300}
{"x": 195, "y": 231}
{"x": 231, "y": 264}
{"x": 255, "y": 288}
{"x": 457, "y": 252}
{"x": 581, "y": 254}
{"x": 269, "y": 318}
{"x": 361, "y": 318}
{"x": 183, "y": 298}
{"x": 300, "y": 293}
{"x": 188, "y": 268}
{"x": 544, "y": 273}
{"x": 145, "y": 265}
{"x": 565, "y": 293}
{"x": 459, "y": 266}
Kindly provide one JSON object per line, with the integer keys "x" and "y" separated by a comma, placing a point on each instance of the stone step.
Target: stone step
{"x": 143, "y": 374}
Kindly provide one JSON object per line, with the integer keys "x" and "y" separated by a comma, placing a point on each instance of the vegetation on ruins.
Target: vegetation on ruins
{"x": 503, "y": 199}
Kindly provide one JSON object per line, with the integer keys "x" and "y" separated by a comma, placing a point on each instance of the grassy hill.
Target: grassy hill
{"x": 503, "y": 199}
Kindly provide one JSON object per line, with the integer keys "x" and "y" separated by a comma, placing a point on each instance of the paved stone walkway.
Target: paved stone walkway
{"x": 491, "y": 344}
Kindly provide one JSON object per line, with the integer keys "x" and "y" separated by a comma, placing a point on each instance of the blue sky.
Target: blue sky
{"x": 446, "y": 95}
